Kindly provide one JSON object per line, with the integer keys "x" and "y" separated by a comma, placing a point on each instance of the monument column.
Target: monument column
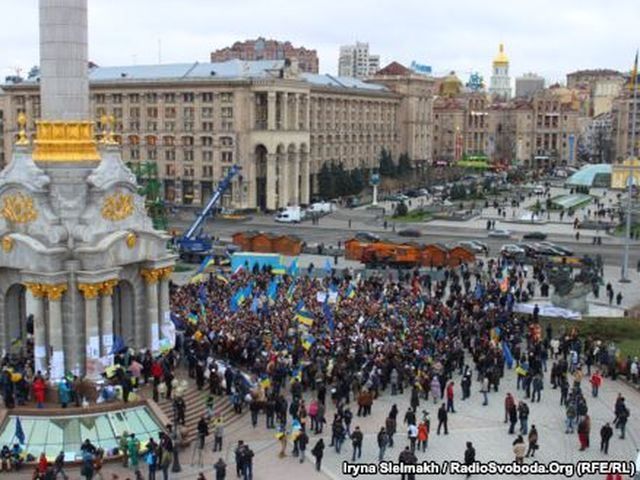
{"x": 283, "y": 180}
{"x": 106, "y": 316}
{"x": 41, "y": 358}
{"x": 294, "y": 179}
{"x": 92, "y": 331}
{"x": 151, "y": 277}
{"x": 54, "y": 295}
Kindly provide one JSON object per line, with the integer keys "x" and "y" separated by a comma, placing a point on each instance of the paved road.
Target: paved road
{"x": 336, "y": 227}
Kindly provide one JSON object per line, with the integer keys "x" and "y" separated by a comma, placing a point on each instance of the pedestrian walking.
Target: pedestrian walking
{"x": 412, "y": 434}
{"x": 584, "y": 428}
{"x": 220, "y": 469}
{"x": 356, "y": 440}
{"x": 606, "y": 432}
{"x": 519, "y": 449}
{"x": 442, "y": 419}
{"x": 318, "y": 452}
{"x": 469, "y": 456}
{"x": 533, "y": 441}
{"x": 383, "y": 442}
{"x": 423, "y": 436}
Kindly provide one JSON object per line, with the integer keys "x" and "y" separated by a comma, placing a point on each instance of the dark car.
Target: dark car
{"x": 367, "y": 237}
{"x": 534, "y": 236}
{"x": 410, "y": 232}
{"x": 559, "y": 248}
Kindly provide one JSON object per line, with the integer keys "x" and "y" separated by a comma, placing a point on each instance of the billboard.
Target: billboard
{"x": 420, "y": 68}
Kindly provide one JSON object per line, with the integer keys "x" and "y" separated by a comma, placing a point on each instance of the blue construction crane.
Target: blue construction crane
{"x": 193, "y": 244}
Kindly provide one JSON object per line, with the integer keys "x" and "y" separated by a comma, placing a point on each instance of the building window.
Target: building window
{"x": 170, "y": 155}
{"x": 207, "y": 171}
{"x": 188, "y": 155}
{"x": 169, "y": 126}
{"x": 227, "y": 157}
{"x": 134, "y": 125}
{"x": 188, "y": 171}
{"x": 152, "y": 153}
{"x": 207, "y": 156}
{"x": 167, "y": 141}
{"x": 227, "y": 112}
{"x": 117, "y": 112}
{"x": 169, "y": 98}
{"x": 227, "y": 126}
{"x": 135, "y": 154}
{"x": 152, "y": 126}
{"x": 207, "y": 112}
{"x": 152, "y": 112}
{"x": 100, "y": 98}
{"x": 134, "y": 98}
{"x": 207, "y": 126}
{"x": 151, "y": 97}
{"x": 188, "y": 126}
{"x": 226, "y": 97}
{"x": 170, "y": 112}
{"x": 170, "y": 170}
{"x": 207, "y": 96}
{"x": 134, "y": 112}
{"x": 187, "y": 97}
{"x": 117, "y": 98}
{"x": 187, "y": 112}
{"x": 187, "y": 141}
{"x": 226, "y": 141}
{"x": 207, "y": 141}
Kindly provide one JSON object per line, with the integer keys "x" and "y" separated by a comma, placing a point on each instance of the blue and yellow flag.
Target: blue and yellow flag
{"x": 351, "y": 291}
{"x": 305, "y": 317}
{"x": 308, "y": 341}
{"x": 291, "y": 290}
{"x": 265, "y": 382}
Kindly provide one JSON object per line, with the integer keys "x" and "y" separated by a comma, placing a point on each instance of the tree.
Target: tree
{"x": 404, "y": 164}
{"x": 387, "y": 167}
{"x": 357, "y": 180}
{"x": 325, "y": 182}
{"x": 401, "y": 210}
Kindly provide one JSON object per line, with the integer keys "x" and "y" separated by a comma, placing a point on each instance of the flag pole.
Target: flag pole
{"x": 625, "y": 264}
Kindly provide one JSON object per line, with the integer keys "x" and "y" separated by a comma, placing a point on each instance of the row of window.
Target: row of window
{"x": 168, "y": 97}
{"x": 169, "y": 112}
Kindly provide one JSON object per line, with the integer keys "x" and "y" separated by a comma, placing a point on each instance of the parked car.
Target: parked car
{"x": 367, "y": 237}
{"x": 534, "y": 236}
{"x": 474, "y": 246}
{"x": 398, "y": 197}
{"x": 499, "y": 233}
{"x": 410, "y": 232}
{"x": 539, "y": 189}
{"x": 511, "y": 251}
{"x": 529, "y": 250}
{"x": 548, "y": 250}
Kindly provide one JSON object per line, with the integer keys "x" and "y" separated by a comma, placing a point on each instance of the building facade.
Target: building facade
{"x": 528, "y": 84}
{"x": 500, "y": 83}
{"x": 622, "y": 124}
{"x": 263, "y": 49}
{"x": 356, "y": 61}
{"x": 280, "y": 125}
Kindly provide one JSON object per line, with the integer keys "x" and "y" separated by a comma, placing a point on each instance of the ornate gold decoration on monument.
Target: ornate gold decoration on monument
{"x": 22, "y": 133}
{"x": 104, "y": 132}
{"x": 64, "y": 142}
{"x": 7, "y": 244}
{"x": 117, "y": 206}
{"x": 131, "y": 239}
{"x": 18, "y": 208}
{"x": 89, "y": 290}
{"x": 54, "y": 292}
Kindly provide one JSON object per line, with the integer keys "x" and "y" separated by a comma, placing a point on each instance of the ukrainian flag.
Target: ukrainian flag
{"x": 197, "y": 278}
{"x": 291, "y": 290}
{"x": 351, "y": 291}
{"x": 308, "y": 341}
{"x": 296, "y": 374}
{"x": 265, "y": 383}
{"x": 305, "y": 317}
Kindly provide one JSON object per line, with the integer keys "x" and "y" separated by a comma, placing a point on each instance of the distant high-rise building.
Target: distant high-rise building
{"x": 500, "y": 85}
{"x": 262, "y": 49}
{"x": 528, "y": 84}
{"x": 355, "y": 61}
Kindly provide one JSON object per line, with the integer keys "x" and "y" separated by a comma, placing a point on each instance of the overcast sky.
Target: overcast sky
{"x": 549, "y": 37}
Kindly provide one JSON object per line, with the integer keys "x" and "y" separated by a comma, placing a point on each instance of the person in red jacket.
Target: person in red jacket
{"x": 508, "y": 403}
{"x": 596, "y": 381}
{"x": 39, "y": 389}
{"x": 42, "y": 464}
{"x": 450, "y": 398}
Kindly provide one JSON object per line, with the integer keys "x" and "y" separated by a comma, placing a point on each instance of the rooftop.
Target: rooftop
{"x": 229, "y": 70}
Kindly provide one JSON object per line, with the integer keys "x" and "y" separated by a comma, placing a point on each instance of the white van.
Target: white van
{"x": 290, "y": 215}
{"x": 321, "y": 207}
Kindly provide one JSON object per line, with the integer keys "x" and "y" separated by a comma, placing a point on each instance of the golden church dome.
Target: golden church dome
{"x": 501, "y": 58}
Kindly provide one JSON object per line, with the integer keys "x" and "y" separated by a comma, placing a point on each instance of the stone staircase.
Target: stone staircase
{"x": 195, "y": 401}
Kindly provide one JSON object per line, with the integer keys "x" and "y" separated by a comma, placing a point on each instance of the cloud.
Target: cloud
{"x": 547, "y": 36}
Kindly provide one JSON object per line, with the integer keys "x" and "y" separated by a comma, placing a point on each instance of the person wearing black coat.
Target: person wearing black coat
{"x": 606, "y": 432}
{"x": 442, "y": 419}
{"x": 318, "y": 452}
{"x": 469, "y": 456}
{"x": 203, "y": 431}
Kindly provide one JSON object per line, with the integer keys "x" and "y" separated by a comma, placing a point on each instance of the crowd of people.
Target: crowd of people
{"x": 290, "y": 344}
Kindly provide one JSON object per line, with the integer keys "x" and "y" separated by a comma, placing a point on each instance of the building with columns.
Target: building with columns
{"x": 281, "y": 125}
{"x": 78, "y": 251}
{"x": 500, "y": 83}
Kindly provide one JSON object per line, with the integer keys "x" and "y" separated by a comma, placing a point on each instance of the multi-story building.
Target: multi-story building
{"x": 460, "y": 122}
{"x": 355, "y": 61}
{"x": 601, "y": 87}
{"x": 263, "y": 49}
{"x": 528, "y": 84}
{"x": 500, "y": 83}
{"x": 622, "y": 124}
{"x": 280, "y": 125}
